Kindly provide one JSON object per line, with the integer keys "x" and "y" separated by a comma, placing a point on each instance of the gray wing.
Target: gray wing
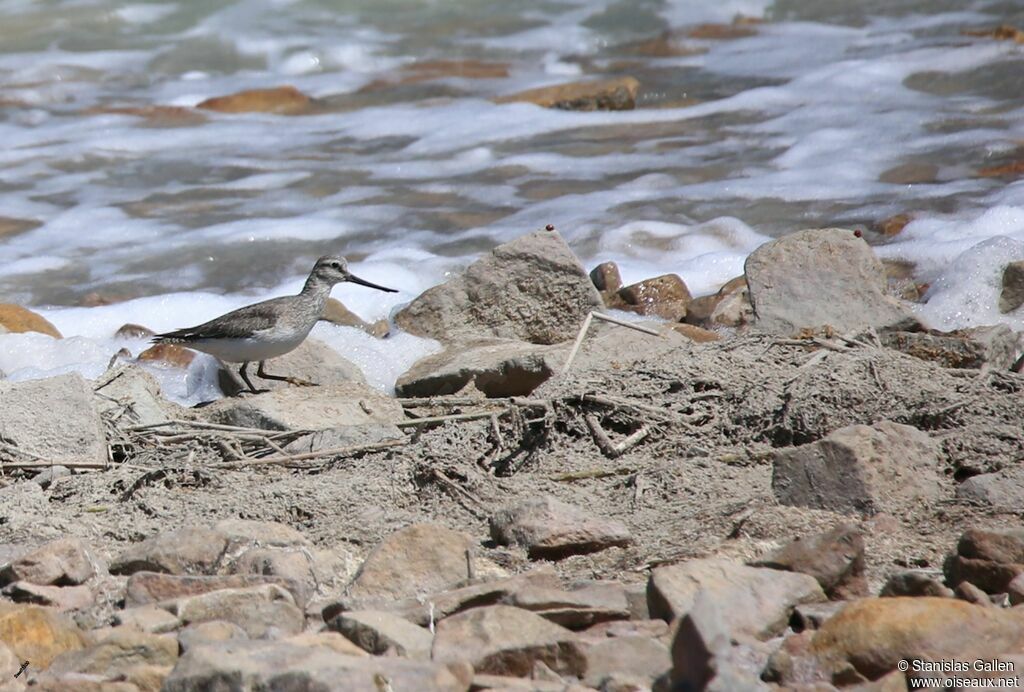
{"x": 237, "y": 324}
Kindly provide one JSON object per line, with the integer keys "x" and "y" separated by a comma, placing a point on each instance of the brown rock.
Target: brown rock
{"x": 860, "y": 468}
{"x": 189, "y": 550}
{"x": 37, "y": 634}
{"x": 989, "y": 559}
{"x": 64, "y": 562}
{"x": 870, "y": 636}
{"x": 121, "y": 648}
{"x": 751, "y": 601}
{"x": 1015, "y": 590}
{"x": 916, "y": 583}
{"x": 695, "y": 333}
{"x": 286, "y": 100}
{"x": 1003, "y": 32}
{"x": 293, "y": 566}
{"x": 552, "y": 529}
{"x": 618, "y": 94}
{"x": 912, "y": 173}
{"x": 606, "y": 277}
{"x": 719, "y": 32}
{"x": 60, "y": 598}
{"x": 966, "y": 591}
{"x": 835, "y": 558}
{"x": 377, "y": 632}
{"x": 419, "y": 558}
{"x": 10, "y": 227}
{"x": 270, "y": 534}
{"x": 665, "y": 296}
{"x": 168, "y": 354}
{"x": 1012, "y": 295}
{"x": 581, "y": 607}
{"x": 531, "y": 289}
{"x": 163, "y": 116}
{"x": 700, "y": 309}
{"x": 507, "y": 641}
{"x": 150, "y": 587}
{"x": 17, "y": 320}
{"x": 133, "y": 331}
{"x": 335, "y": 312}
{"x": 265, "y": 611}
{"x": 893, "y": 225}
{"x": 498, "y": 368}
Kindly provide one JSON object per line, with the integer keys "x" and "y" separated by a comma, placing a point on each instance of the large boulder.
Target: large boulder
{"x": 417, "y": 560}
{"x": 313, "y": 361}
{"x": 819, "y": 277}
{"x": 987, "y": 558}
{"x": 188, "y": 550}
{"x": 63, "y": 562}
{"x": 38, "y": 634}
{"x": 55, "y": 419}
{"x": 835, "y": 558}
{"x": 860, "y": 469}
{"x": 752, "y": 602}
{"x": 551, "y": 529}
{"x": 532, "y": 289}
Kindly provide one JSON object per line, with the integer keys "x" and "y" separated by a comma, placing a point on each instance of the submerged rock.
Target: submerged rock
{"x": 16, "y": 319}
{"x": 286, "y": 100}
{"x": 618, "y": 94}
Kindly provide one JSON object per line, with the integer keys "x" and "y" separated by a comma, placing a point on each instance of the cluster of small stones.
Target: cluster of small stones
{"x": 241, "y": 601}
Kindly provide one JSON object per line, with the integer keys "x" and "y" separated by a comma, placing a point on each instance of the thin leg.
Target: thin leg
{"x": 241, "y": 371}
{"x": 280, "y": 378}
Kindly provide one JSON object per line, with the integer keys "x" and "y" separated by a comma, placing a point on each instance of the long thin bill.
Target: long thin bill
{"x": 356, "y": 280}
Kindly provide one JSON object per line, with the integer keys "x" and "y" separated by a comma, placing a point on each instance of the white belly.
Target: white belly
{"x": 249, "y": 349}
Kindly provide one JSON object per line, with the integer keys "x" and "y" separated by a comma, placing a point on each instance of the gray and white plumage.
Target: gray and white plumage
{"x": 269, "y": 328}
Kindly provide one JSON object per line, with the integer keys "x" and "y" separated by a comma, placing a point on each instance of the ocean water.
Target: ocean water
{"x": 784, "y": 115}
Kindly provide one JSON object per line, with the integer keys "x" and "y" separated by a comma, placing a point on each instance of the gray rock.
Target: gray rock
{"x": 377, "y": 632}
{"x": 55, "y": 419}
{"x": 1012, "y": 295}
{"x": 507, "y": 641}
{"x": 419, "y": 559}
{"x": 532, "y": 289}
{"x": 51, "y": 473}
{"x": 147, "y": 618}
{"x": 498, "y": 368}
{"x": 575, "y": 609}
{"x": 293, "y": 566}
{"x": 131, "y": 393}
{"x": 189, "y": 550}
{"x": 994, "y": 347}
{"x": 752, "y": 601}
{"x": 262, "y": 611}
{"x": 1003, "y": 490}
{"x": 819, "y": 277}
{"x": 424, "y": 609}
{"x": 313, "y": 361}
{"x": 246, "y": 533}
{"x": 63, "y": 562}
{"x": 634, "y": 656}
{"x": 345, "y": 436}
{"x": 860, "y": 468}
{"x": 835, "y": 558}
{"x": 209, "y": 632}
{"x": 308, "y": 408}
{"x": 262, "y": 665}
{"x": 700, "y": 643}
{"x": 552, "y": 529}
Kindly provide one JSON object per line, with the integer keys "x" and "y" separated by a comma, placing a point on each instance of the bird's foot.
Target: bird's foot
{"x": 300, "y": 382}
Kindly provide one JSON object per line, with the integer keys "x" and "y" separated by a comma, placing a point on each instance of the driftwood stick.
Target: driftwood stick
{"x": 291, "y": 459}
{"x": 579, "y": 342}
{"x": 623, "y": 323}
{"x": 48, "y": 464}
{"x": 619, "y": 402}
{"x": 444, "y": 419}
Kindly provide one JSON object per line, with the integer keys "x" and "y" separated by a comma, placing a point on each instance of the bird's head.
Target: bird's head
{"x": 334, "y": 270}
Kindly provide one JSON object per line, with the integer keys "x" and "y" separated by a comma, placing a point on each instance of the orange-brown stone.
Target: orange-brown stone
{"x": 171, "y": 354}
{"x": 286, "y": 100}
{"x": 37, "y": 634}
{"x": 133, "y": 331}
{"x": 894, "y": 224}
{"x": 17, "y": 320}
{"x": 11, "y": 227}
{"x": 665, "y": 296}
{"x": 719, "y": 32}
{"x": 617, "y": 94}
